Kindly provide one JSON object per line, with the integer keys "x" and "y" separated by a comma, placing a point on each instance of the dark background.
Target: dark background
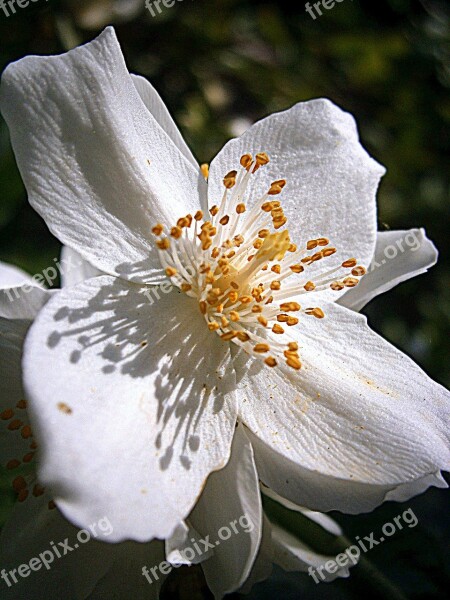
{"x": 219, "y": 66}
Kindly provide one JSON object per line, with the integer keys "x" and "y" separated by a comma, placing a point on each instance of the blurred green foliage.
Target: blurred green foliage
{"x": 219, "y": 66}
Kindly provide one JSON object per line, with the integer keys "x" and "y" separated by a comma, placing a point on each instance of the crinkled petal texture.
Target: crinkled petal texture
{"x": 331, "y": 180}
{"x": 137, "y": 418}
{"x": 229, "y": 511}
{"x": 93, "y": 569}
{"x": 399, "y": 255}
{"x": 96, "y": 163}
{"x": 359, "y": 423}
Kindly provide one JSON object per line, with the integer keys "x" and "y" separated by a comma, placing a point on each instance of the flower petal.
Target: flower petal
{"x": 358, "y": 421}
{"x": 74, "y": 269}
{"x": 292, "y": 555}
{"x": 96, "y": 164}
{"x": 321, "y": 519}
{"x": 91, "y": 570}
{"x": 331, "y": 180}
{"x": 136, "y": 404}
{"x": 230, "y": 506}
{"x": 399, "y": 255}
{"x": 12, "y": 276}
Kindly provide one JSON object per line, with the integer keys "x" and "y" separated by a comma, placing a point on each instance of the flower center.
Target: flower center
{"x": 243, "y": 269}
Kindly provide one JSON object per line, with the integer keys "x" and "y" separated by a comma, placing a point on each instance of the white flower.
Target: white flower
{"x": 150, "y": 392}
{"x": 97, "y": 569}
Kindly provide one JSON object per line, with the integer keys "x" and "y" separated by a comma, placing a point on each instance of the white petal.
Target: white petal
{"x": 230, "y": 507}
{"x": 74, "y": 269}
{"x": 262, "y": 567}
{"x": 91, "y": 570}
{"x": 399, "y": 255}
{"x": 180, "y": 547}
{"x": 292, "y": 555}
{"x": 136, "y": 405}
{"x": 95, "y": 162}
{"x": 323, "y": 520}
{"x": 12, "y": 276}
{"x": 158, "y": 109}
{"x": 358, "y": 421}
{"x": 331, "y": 180}
{"x": 23, "y": 301}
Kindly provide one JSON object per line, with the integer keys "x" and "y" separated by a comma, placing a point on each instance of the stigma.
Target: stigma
{"x": 246, "y": 274}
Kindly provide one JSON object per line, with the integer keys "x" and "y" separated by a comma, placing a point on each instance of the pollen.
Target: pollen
{"x": 238, "y": 262}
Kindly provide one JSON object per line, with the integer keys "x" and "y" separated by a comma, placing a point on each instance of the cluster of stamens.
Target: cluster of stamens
{"x": 15, "y": 421}
{"x": 237, "y": 261}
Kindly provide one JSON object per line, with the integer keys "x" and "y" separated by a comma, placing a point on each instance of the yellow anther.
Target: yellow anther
{"x": 276, "y": 187}
{"x": 186, "y": 287}
{"x": 292, "y": 321}
{"x": 311, "y": 244}
{"x": 233, "y": 296}
{"x": 261, "y": 348}
{"x": 359, "y": 271}
{"x": 242, "y": 336}
{"x": 315, "y": 312}
{"x": 234, "y": 316}
{"x": 246, "y": 160}
{"x": 224, "y": 322}
{"x": 198, "y": 215}
{"x": 240, "y": 208}
{"x": 224, "y": 220}
{"x": 157, "y": 229}
{"x": 213, "y": 326}
{"x": 328, "y": 251}
{"x": 203, "y": 307}
{"x": 290, "y": 306}
{"x": 261, "y": 159}
{"x": 245, "y": 299}
{"x": 170, "y": 271}
{"x": 205, "y": 170}
{"x": 229, "y": 335}
{"x": 214, "y": 210}
{"x": 282, "y": 318}
{"x": 256, "y": 308}
{"x": 176, "y": 232}
{"x": 263, "y": 233}
{"x": 293, "y": 346}
{"x": 163, "y": 243}
{"x": 270, "y": 361}
{"x": 297, "y": 268}
{"x": 337, "y": 286}
{"x": 309, "y": 286}
{"x": 292, "y": 248}
{"x": 350, "y": 282}
{"x": 294, "y": 363}
{"x": 262, "y": 320}
{"x": 229, "y": 180}
{"x": 275, "y": 285}
{"x": 277, "y": 329}
{"x": 350, "y": 263}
